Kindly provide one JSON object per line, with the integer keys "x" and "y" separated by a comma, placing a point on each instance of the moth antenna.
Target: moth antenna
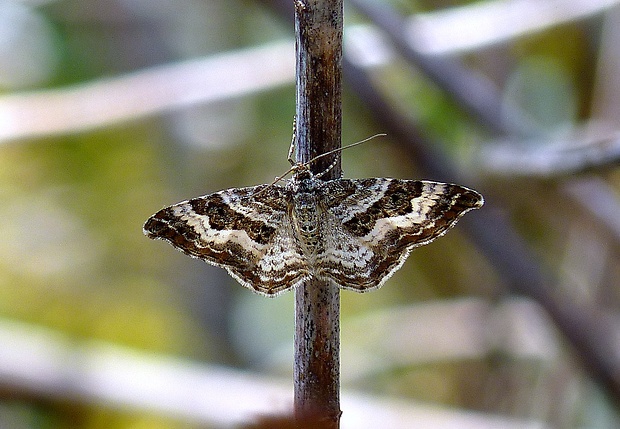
{"x": 296, "y": 166}
{"x": 324, "y": 172}
{"x": 277, "y": 179}
{"x": 340, "y": 149}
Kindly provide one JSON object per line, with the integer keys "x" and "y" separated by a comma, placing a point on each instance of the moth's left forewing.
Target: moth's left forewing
{"x": 232, "y": 214}
{"x": 239, "y": 229}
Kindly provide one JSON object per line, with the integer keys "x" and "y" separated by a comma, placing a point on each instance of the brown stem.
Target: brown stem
{"x": 318, "y": 29}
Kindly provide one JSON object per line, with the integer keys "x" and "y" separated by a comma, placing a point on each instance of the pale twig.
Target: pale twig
{"x": 478, "y": 25}
{"x": 544, "y": 159}
{"x": 248, "y": 71}
{"x": 146, "y": 92}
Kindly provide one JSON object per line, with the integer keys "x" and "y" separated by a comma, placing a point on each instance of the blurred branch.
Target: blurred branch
{"x": 599, "y": 199}
{"x": 477, "y": 25}
{"x": 474, "y": 26}
{"x": 606, "y": 91}
{"x": 165, "y": 88}
{"x": 545, "y": 159}
{"x": 43, "y": 363}
{"x": 448, "y": 331}
{"x": 152, "y": 91}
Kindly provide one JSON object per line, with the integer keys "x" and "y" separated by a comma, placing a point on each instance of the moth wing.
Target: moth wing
{"x": 378, "y": 221}
{"x": 242, "y": 230}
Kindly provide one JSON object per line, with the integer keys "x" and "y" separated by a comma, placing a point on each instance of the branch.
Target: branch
{"x": 146, "y": 92}
{"x": 318, "y": 31}
{"x": 545, "y": 159}
{"x": 449, "y": 31}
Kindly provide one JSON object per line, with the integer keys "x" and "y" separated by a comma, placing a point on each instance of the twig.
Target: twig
{"x": 318, "y": 41}
{"x": 448, "y": 31}
{"x": 106, "y": 101}
{"x": 545, "y": 159}
{"x": 600, "y": 200}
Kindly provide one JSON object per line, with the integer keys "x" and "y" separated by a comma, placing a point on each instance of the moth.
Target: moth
{"x": 353, "y": 232}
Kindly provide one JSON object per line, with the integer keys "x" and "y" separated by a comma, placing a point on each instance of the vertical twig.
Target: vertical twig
{"x": 318, "y": 40}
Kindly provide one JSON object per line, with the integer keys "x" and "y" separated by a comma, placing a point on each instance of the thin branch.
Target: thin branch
{"x": 599, "y": 199}
{"x": 545, "y": 159}
{"x": 478, "y": 25}
{"x": 606, "y": 87}
{"x": 147, "y": 92}
{"x": 318, "y": 31}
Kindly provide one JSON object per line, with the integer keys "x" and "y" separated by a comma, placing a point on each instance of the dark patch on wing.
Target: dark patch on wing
{"x": 223, "y": 216}
{"x": 395, "y": 202}
{"x": 269, "y": 205}
{"x": 165, "y": 225}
